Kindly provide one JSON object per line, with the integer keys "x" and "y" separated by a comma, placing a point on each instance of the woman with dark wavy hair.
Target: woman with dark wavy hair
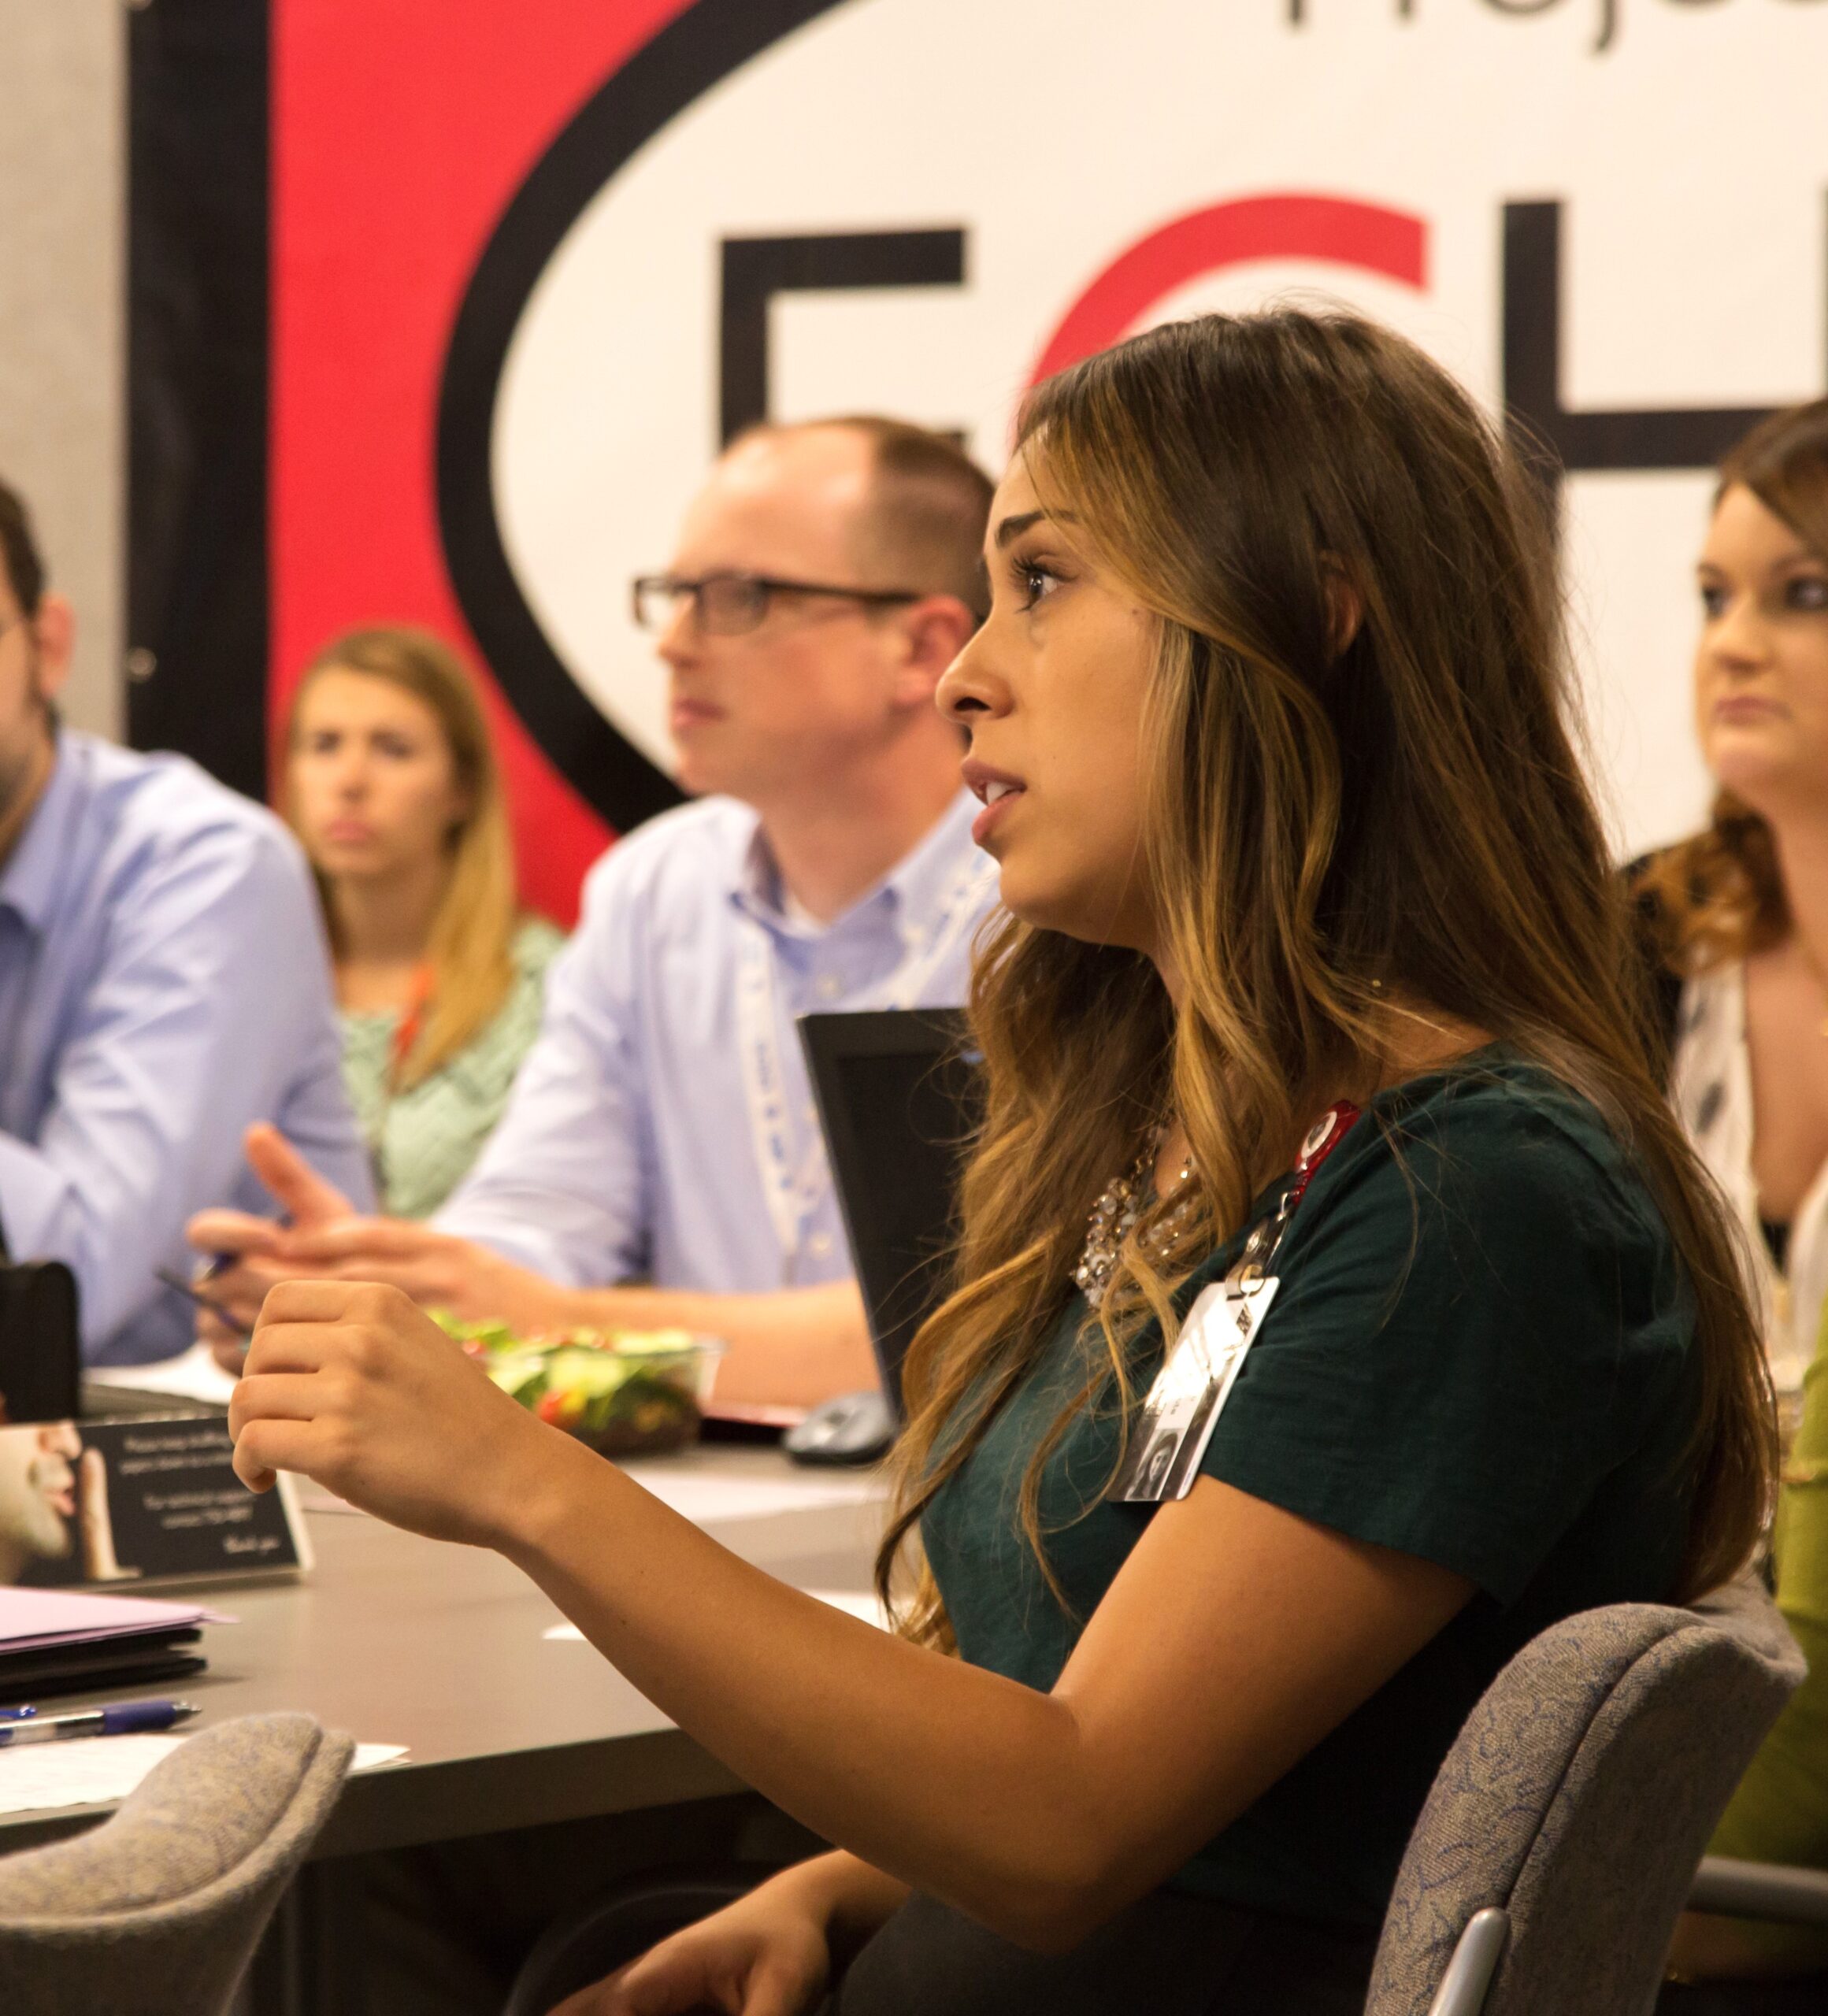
{"x": 1268, "y": 720}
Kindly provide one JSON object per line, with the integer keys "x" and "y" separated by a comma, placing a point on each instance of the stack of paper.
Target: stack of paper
{"x": 58, "y": 1641}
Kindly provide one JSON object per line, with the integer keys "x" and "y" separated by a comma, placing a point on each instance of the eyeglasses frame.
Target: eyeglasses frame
{"x": 770, "y": 585}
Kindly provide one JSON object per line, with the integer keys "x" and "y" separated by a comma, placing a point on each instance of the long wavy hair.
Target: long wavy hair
{"x": 470, "y": 950}
{"x": 1719, "y": 893}
{"x": 1327, "y": 831}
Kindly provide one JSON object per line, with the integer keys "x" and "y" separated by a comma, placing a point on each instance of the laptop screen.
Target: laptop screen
{"x": 898, "y": 1099}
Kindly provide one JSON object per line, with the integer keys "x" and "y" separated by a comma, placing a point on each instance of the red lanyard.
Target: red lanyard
{"x": 407, "y": 1030}
{"x": 1322, "y": 1138}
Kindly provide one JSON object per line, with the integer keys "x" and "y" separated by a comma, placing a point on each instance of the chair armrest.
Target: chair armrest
{"x": 1774, "y": 1891}
{"x": 1468, "y": 1973}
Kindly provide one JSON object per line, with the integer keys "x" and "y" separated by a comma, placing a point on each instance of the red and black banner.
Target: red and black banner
{"x": 438, "y": 309}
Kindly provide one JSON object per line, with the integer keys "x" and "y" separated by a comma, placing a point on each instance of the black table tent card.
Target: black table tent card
{"x": 142, "y": 1499}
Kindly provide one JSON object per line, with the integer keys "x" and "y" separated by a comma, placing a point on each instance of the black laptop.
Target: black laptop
{"x": 899, "y": 1099}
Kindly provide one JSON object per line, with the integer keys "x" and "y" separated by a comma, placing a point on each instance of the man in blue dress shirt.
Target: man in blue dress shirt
{"x": 662, "y": 1131}
{"x": 164, "y": 982}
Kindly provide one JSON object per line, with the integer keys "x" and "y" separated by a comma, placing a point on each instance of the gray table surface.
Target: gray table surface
{"x": 404, "y": 1641}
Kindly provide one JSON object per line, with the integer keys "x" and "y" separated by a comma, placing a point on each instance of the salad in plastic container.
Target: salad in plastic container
{"x": 625, "y": 1392}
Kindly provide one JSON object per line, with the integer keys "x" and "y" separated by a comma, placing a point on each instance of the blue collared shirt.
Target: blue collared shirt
{"x": 164, "y": 982}
{"x": 628, "y": 1150}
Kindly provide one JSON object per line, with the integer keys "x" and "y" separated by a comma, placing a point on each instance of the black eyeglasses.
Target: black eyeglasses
{"x": 731, "y": 605}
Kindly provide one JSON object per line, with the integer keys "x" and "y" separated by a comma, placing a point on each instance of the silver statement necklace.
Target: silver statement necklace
{"x": 1120, "y": 1208}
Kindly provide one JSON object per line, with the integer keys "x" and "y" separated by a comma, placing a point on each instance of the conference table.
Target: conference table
{"x": 448, "y": 1651}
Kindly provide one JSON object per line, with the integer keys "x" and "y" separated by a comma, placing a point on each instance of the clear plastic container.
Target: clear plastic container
{"x": 626, "y": 1393}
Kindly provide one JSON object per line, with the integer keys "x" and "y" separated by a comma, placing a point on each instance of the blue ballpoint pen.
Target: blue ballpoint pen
{"x": 120, "y": 1718}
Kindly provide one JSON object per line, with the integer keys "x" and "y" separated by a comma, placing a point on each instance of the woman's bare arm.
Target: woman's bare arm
{"x": 1235, "y": 1637}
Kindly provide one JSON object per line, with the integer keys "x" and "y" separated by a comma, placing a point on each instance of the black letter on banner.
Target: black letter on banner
{"x": 756, "y": 269}
{"x": 1608, "y": 16}
{"x": 1682, "y": 438}
{"x": 1298, "y": 11}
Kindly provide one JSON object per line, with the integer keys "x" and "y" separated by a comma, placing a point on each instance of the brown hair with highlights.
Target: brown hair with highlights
{"x": 1326, "y": 830}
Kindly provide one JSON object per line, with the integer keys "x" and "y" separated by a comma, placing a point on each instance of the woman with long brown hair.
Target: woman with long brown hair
{"x": 391, "y": 783}
{"x": 1740, "y": 914}
{"x": 1740, "y": 910}
{"x": 1309, "y": 1024}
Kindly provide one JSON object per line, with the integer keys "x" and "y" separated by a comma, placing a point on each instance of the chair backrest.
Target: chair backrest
{"x": 160, "y": 1907}
{"x": 608, "y": 1932}
{"x": 1577, "y": 1800}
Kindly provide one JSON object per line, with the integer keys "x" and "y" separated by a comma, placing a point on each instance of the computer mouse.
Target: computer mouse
{"x": 854, "y": 1428}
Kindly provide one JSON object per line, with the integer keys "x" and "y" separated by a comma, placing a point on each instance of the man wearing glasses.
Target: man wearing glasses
{"x": 662, "y": 1131}
{"x": 164, "y": 982}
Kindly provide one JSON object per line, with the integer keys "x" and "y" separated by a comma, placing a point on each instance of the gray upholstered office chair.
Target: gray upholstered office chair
{"x": 157, "y": 1910}
{"x": 1560, "y": 1839}
{"x": 1555, "y": 1851}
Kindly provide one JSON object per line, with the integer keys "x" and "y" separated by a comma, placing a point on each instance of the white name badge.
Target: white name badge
{"x": 1176, "y": 1421}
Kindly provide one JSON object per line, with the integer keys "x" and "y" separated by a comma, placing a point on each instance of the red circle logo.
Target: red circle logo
{"x": 1334, "y": 229}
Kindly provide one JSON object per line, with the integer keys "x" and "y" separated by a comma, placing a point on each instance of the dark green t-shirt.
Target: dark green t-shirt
{"x": 1481, "y": 1353}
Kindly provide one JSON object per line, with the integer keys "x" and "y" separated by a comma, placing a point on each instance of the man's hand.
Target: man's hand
{"x": 240, "y": 1249}
{"x": 321, "y": 1237}
{"x": 437, "y": 1270}
{"x": 353, "y": 1386}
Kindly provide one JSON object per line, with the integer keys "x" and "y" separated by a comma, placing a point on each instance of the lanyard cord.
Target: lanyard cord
{"x": 793, "y": 1195}
{"x": 410, "y": 1026}
{"x": 1266, "y": 1239}
{"x": 401, "y": 1045}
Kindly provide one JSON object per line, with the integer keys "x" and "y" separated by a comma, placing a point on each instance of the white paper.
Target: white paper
{"x": 708, "y": 1498}
{"x": 193, "y": 1375}
{"x": 314, "y": 1498}
{"x": 100, "y": 1770}
{"x": 33, "y": 1617}
{"x": 856, "y": 1601}
{"x": 859, "y": 1602}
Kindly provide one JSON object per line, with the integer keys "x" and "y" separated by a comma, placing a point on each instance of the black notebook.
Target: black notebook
{"x": 95, "y": 1668}
{"x": 58, "y": 1641}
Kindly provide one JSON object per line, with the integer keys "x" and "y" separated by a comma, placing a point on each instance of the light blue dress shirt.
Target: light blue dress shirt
{"x": 628, "y": 1150}
{"x": 164, "y": 982}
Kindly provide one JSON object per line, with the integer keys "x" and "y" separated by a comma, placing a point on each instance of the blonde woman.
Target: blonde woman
{"x": 1268, "y": 721}
{"x": 392, "y": 784}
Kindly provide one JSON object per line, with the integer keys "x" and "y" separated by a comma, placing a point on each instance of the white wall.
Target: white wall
{"x": 62, "y": 278}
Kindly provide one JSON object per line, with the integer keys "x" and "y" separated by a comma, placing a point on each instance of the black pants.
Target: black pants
{"x": 1169, "y": 1955}
{"x": 442, "y": 1931}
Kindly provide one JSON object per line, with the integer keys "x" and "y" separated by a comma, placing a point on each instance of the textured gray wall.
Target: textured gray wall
{"x": 62, "y": 283}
